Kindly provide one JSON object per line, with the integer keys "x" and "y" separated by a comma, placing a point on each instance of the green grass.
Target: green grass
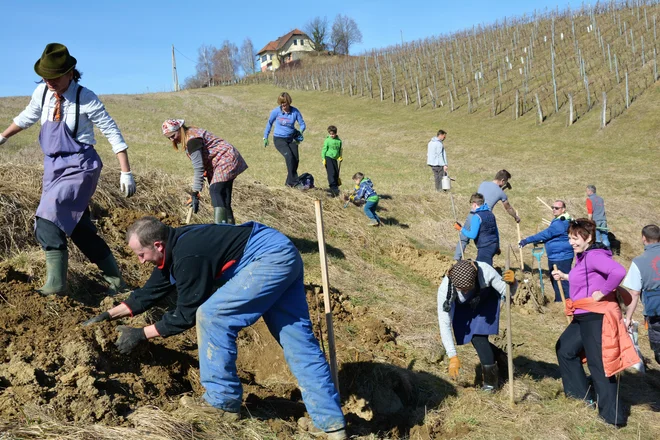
{"x": 388, "y": 143}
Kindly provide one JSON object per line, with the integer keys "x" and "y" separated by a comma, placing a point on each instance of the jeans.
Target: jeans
{"x": 370, "y": 210}
{"x": 601, "y": 236}
{"x": 485, "y": 254}
{"x": 564, "y": 266}
{"x": 289, "y": 149}
{"x": 584, "y": 334}
{"x": 269, "y": 285}
{"x": 84, "y": 236}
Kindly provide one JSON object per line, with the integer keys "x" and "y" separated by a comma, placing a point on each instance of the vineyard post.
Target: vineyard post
{"x": 603, "y": 121}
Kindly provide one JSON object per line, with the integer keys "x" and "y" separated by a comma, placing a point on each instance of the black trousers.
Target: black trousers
{"x": 654, "y": 335}
{"x": 84, "y": 236}
{"x": 332, "y": 168}
{"x": 485, "y": 350}
{"x": 585, "y": 334}
{"x": 289, "y": 149}
{"x": 221, "y": 194}
{"x": 438, "y": 174}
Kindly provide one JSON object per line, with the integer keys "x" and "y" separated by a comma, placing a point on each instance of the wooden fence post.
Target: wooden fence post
{"x": 603, "y": 121}
{"x": 539, "y": 110}
{"x": 571, "y": 110}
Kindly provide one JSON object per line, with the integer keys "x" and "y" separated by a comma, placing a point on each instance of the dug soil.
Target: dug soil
{"x": 49, "y": 360}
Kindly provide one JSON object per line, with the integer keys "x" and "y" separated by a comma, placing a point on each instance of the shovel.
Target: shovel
{"x": 339, "y": 171}
{"x": 537, "y": 252}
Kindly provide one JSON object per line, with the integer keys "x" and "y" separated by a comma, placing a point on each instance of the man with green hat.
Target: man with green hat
{"x": 68, "y": 113}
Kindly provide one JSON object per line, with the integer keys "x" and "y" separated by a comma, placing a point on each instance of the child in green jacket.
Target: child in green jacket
{"x": 331, "y": 156}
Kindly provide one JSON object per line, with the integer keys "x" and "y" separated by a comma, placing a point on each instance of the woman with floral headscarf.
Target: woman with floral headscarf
{"x": 469, "y": 303}
{"x": 211, "y": 157}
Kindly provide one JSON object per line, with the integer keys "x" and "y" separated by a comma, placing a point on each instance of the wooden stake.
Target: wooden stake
{"x": 189, "y": 215}
{"x": 326, "y": 293}
{"x": 561, "y": 292}
{"x": 522, "y": 262}
{"x": 509, "y": 343}
{"x": 546, "y": 205}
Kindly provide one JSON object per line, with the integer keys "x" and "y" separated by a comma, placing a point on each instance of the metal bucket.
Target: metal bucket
{"x": 446, "y": 183}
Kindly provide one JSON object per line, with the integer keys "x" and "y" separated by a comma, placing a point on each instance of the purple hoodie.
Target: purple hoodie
{"x": 594, "y": 270}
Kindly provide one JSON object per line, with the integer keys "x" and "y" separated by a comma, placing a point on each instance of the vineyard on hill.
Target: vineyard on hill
{"x": 569, "y": 62}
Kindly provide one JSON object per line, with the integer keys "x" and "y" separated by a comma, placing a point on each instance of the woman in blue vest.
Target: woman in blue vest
{"x": 68, "y": 113}
{"x": 285, "y": 137}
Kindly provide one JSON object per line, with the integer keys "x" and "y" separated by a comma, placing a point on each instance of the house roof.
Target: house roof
{"x": 276, "y": 45}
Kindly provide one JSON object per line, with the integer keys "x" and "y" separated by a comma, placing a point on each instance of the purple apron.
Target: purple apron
{"x": 483, "y": 320}
{"x": 71, "y": 173}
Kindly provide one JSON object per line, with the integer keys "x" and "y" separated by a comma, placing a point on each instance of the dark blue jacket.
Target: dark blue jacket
{"x": 555, "y": 238}
{"x": 482, "y": 227}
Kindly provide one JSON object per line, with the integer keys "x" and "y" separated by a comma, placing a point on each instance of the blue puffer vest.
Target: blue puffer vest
{"x": 488, "y": 230}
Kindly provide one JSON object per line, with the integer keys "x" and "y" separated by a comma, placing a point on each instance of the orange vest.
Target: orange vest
{"x": 618, "y": 349}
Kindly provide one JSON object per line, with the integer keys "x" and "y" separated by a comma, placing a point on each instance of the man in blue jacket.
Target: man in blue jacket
{"x": 559, "y": 250}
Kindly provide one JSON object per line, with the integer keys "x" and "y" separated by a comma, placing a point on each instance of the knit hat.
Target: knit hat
{"x": 55, "y": 61}
{"x": 172, "y": 125}
{"x": 463, "y": 274}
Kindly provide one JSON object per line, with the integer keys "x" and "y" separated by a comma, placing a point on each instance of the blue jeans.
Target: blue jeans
{"x": 370, "y": 210}
{"x": 564, "y": 266}
{"x": 485, "y": 254}
{"x": 601, "y": 236}
{"x": 268, "y": 284}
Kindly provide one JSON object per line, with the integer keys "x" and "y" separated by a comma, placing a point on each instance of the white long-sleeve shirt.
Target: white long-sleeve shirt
{"x": 92, "y": 112}
{"x": 488, "y": 277}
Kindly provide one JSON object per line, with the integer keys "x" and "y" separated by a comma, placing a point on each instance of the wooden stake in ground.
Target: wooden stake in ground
{"x": 453, "y": 209}
{"x": 522, "y": 262}
{"x": 561, "y": 292}
{"x": 546, "y": 205}
{"x": 189, "y": 215}
{"x": 509, "y": 343}
{"x": 326, "y": 293}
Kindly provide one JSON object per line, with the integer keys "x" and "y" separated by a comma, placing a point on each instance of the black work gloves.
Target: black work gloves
{"x": 105, "y": 316}
{"x": 129, "y": 338}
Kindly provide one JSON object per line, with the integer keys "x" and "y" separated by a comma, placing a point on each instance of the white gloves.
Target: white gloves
{"x": 127, "y": 183}
{"x": 2, "y": 139}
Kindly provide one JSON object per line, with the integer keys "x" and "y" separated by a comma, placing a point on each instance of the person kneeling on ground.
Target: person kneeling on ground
{"x": 597, "y": 331}
{"x": 469, "y": 303}
{"x": 481, "y": 227}
{"x": 261, "y": 274}
{"x": 365, "y": 191}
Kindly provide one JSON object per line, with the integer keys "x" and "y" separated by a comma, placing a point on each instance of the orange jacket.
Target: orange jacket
{"x": 618, "y": 349}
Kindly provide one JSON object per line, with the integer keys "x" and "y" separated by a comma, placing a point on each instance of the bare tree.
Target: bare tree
{"x": 345, "y": 33}
{"x": 317, "y": 29}
{"x": 247, "y": 57}
{"x": 225, "y": 62}
{"x": 204, "y": 67}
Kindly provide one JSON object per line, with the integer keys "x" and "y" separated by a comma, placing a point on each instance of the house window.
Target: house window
{"x": 264, "y": 58}
{"x": 302, "y": 42}
{"x": 295, "y": 42}
{"x": 270, "y": 57}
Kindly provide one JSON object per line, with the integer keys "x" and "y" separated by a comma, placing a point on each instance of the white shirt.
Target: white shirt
{"x": 92, "y": 112}
{"x": 488, "y": 277}
{"x": 633, "y": 279}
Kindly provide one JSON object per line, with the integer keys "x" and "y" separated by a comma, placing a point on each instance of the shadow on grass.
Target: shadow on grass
{"x": 538, "y": 370}
{"x": 379, "y": 398}
{"x": 391, "y": 221}
{"x": 312, "y": 247}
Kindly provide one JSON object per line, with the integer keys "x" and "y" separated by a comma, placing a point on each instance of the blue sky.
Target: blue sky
{"x": 125, "y": 46}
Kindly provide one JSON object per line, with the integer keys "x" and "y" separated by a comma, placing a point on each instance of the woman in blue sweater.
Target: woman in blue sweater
{"x": 555, "y": 237}
{"x": 285, "y": 136}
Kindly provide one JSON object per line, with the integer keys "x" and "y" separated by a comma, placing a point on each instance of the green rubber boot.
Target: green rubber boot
{"x": 220, "y": 215}
{"x": 57, "y": 265}
{"x": 112, "y": 275}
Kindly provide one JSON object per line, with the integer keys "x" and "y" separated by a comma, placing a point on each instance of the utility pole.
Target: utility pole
{"x": 401, "y": 37}
{"x": 175, "y": 75}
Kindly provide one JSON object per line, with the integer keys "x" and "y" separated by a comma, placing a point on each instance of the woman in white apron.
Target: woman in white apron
{"x": 68, "y": 113}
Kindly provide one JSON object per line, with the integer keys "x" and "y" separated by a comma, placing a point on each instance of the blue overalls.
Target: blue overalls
{"x": 267, "y": 281}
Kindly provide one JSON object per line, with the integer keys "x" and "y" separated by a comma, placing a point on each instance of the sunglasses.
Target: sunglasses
{"x": 557, "y": 208}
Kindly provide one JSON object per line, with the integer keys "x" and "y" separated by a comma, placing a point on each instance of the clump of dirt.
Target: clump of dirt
{"x": 527, "y": 295}
{"x": 430, "y": 264}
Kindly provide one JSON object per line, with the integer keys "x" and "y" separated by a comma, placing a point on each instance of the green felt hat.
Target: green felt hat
{"x": 54, "y": 62}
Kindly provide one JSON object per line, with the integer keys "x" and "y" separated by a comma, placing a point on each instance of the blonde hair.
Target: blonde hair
{"x": 284, "y": 98}
{"x": 183, "y": 135}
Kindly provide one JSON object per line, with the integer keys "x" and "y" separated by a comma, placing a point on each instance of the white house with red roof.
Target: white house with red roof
{"x": 286, "y": 49}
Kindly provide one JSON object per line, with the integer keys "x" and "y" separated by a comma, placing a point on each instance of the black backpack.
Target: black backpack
{"x": 306, "y": 180}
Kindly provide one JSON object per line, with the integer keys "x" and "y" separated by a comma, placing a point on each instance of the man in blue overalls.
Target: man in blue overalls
{"x": 226, "y": 278}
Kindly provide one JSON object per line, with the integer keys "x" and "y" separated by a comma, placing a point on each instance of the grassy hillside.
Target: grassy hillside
{"x": 390, "y": 275}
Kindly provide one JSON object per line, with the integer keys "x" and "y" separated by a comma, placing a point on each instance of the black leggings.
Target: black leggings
{"x": 84, "y": 236}
{"x": 485, "y": 350}
{"x": 289, "y": 149}
{"x": 221, "y": 194}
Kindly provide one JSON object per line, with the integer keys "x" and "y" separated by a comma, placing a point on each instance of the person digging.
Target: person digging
{"x": 469, "y": 304}
{"x": 260, "y": 274}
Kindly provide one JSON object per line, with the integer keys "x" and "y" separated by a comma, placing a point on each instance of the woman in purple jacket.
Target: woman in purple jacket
{"x": 286, "y": 137}
{"x": 594, "y": 275}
